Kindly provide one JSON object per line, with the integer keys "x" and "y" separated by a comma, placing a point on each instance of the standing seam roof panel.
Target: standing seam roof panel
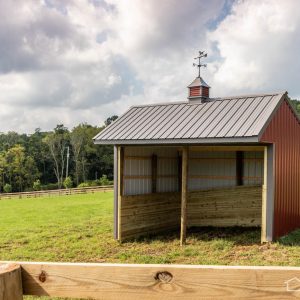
{"x": 201, "y": 115}
{"x": 272, "y": 105}
{"x": 153, "y": 121}
{"x": 253, "y": 117}
{"x": 246, "y": 115}
{"x": 141, "y": 123}
{"x": 165, "y": 121}
{"x": 225, "y": 115}
{"x": 230, "y": 118}
{"x": 178, "y": 122}
{"x": 252, "y": 103}
{"x": 156, "y": 126}
{"x": 134, "y": 123}
{"x": 118, "y": 123}
{"x": 211, "y": 110}
{"x": 212, "y": 121}
{"x": 176, "y": 132}
{"x": 182, "y": 111}
{"x": 232, "y": 121}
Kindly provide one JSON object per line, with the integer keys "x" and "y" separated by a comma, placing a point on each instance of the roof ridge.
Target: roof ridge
{"x": 212, "y": 99}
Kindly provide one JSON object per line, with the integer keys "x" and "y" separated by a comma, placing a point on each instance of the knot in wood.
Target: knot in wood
{"x": 164, "y": 276}
{"x": 43, "y": 276}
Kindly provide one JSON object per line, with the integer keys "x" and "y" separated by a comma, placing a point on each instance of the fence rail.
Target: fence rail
{"x": 134, "y": 281}
{"x": 60, "y": 192}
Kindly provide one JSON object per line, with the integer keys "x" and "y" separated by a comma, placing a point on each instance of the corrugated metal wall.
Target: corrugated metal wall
{"x": 284, "y": 132}
{"x": 206, "y": 169}
{"x": 137, "y": 169}
{"x": 211, "y": 170}
{"x": 253, "y": 173}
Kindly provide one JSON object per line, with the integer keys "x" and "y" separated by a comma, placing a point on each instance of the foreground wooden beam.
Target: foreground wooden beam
{"x": 123, "y": 281}
{"x": 10, "y": 282}
{"x": 184, "y": 179}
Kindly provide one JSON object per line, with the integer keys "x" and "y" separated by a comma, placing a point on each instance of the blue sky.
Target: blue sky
{"x": 72, "y": 61}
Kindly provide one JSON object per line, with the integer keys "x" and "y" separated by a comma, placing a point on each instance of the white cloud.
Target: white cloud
{"x": 73, "y": 61}
{"x": 259, "y": 43}
{"x": 77, "y": 61}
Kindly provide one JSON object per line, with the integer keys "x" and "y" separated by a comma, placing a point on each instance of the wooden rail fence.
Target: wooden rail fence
{"x": 60, "y": 192}
{"x": 126, "y": 281}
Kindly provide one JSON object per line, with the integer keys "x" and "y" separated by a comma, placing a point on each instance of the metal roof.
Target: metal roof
{"x": 220, "y": 120}
{"x": 198, "y": 82}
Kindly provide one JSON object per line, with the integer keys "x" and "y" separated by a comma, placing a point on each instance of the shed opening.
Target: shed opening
{"x": 224, "y": 188}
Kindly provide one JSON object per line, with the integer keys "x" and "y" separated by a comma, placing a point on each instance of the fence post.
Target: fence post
{"x": 10, "y": 282}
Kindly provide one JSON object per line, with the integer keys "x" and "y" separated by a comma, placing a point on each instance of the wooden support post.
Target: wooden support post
{"x": 184, "y": 195}
{"x": 10, "y": 282}
{"x": 239, "y": 167}
{"x": 154, "y": 172}
{"x": 179, "y": 172}
{"x": 120, "y": 186}
{"x": 264, "y": 199}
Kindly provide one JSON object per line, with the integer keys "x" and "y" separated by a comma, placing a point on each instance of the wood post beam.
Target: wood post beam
{"x": 154, "y": 173}
{"x": 264, "y": 199}
{"x": 120, "y": 186}
{"x": 10, "y": 282}
{"x": 184, "y": 187}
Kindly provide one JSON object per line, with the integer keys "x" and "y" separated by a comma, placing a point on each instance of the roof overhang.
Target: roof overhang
{"x": 205, "y": 141}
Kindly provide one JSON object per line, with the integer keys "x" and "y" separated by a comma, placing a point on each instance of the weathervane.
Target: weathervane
{"x": 199, "y": 65}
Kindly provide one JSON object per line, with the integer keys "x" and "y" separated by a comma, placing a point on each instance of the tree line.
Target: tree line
{"x": 54, "y": 159}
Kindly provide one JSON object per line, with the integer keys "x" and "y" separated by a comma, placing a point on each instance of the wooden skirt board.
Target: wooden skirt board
{"x": 236, "y": 206}
{"x": 160, "y": 212}
{"x": 148, "y": 214}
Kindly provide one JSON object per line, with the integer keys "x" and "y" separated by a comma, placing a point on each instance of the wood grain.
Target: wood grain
{"x": 147, "y": 214}
{"x": 118, "y": 281}
{"x": 10, "y": 282}
{"x": 264, "y": 199}
{"x": 184, "y": 195}
{"x": 236, "y": 206}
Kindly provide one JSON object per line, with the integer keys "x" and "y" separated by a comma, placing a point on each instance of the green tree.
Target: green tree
{"x": 68, "y": 183}
{"x": 37, "y": 185}
{"x": 57, "y": 142}
{"x": 7, "y": 188}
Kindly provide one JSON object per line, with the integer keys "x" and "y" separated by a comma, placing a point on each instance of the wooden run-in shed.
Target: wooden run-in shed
{"x": 232, "y": 161}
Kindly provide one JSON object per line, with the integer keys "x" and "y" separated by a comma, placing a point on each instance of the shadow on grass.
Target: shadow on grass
{"x": 238, "y": 235}
{"x": 292, "y": 239}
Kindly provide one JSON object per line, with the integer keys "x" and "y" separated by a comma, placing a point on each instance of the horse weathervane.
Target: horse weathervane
{"x": 199, "y": 65}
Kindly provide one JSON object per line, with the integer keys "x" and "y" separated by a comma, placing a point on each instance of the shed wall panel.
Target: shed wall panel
{"x": 137, "y": 170}
{"x": 284, "y": 132}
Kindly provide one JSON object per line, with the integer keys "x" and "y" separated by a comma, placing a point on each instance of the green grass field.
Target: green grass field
{"x": 80, "y": 229}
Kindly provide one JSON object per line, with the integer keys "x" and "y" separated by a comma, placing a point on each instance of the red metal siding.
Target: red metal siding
{"x": 284, "y": 132}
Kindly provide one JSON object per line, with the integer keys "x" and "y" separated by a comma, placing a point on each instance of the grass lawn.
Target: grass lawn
{"x": 78, "y": 228}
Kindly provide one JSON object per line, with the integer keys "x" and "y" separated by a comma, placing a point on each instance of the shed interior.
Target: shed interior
{"x": 224, "y": 188}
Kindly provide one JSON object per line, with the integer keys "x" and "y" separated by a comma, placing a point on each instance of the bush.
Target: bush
{"x": 83, "y": 185}
{"x": 49, "y": 186}
{"x": 37, "y": 185}
{"x": 7, "y": 188}
{"x": 104, "y": 180}
{"x": 68, "y": 183}
{"x": 94, "y": 182}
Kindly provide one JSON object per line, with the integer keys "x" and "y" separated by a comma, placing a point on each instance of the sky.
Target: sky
{"x": 74, "y": 61}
